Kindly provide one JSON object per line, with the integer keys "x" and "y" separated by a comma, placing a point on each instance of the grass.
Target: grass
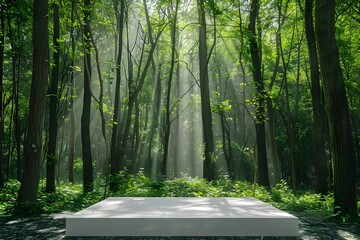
{"x": 69, "y": 197}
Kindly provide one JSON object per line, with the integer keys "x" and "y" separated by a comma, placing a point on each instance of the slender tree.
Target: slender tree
{"x": 168, "y": 92}
{"x": 33, "y": 144}
{"x": 53, "y": 106}
{"x": 72, "y": 93}
{"x": 289, "y": 116}
{"x": 115, "y": 163}
{"x": 260, "y": 95}
{"x": 337, "y": 109}
{"x": 85, "y": 117}
{"x": 208, "y": 139}
{"x": 13, "y": 23}
{"x": 318, "y": 108}
{"x": 155, "y": 110}
{"x": 2, "y": 33}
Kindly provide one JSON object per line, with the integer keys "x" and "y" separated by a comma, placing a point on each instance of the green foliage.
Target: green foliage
{"x": 136, "y": 185}
{"x": 186, "y": 187}
{"x": 70, "y": 197}
{"x": 8, "y": 194}
{"x": 283, "y": 197}
{"x": 221, "y": 107}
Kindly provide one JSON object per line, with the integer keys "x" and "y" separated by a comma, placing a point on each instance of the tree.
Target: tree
{"x": 208, "y": 139}
{"x": 135, "y": 85}
{"x": 115, "y": 164}
{"x": 168, "y": 120}
{"x": 337, "y": 109}
{"x": 290, "y": 115}
{"x": 53, "y": 107}
{"x": 157, "y": 90}
{"x": 33, "y": 144}
{"x": 85, "y": 117}
{"x": 318, "y": 108}
{"x": 14, "y": 22}
{"x": 72, "y": 93}
{"x": 260, "y": 96}
{"x": 2, "y": 38}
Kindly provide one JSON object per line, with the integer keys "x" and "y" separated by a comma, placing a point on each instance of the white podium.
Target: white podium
{"x": 128, "y": 216}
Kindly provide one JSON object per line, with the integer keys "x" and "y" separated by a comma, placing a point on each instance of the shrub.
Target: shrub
{"x": 8, "y": 195}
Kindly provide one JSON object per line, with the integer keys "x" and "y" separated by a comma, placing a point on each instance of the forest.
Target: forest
{"x": 180, "y": 98}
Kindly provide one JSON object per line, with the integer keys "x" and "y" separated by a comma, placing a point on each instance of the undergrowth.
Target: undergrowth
{"x": 69, "y": 197}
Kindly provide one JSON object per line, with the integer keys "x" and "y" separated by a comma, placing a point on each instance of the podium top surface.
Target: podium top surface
{"x": 177, "y": 207}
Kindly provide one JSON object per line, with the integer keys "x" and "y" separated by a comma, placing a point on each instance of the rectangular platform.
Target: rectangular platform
{"x": 126, "y": 216}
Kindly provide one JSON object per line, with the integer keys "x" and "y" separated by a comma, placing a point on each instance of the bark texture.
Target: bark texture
{"x": 260, "y": 97}
{"x": 317, "y": 105}
{"x": 208, "y": 168}
{"x": 85, "y": 117}
{"x": 2, "y": 29}
{"x": 52, "y": 158}
{"x": 33, "y": 144}
{"x": 337, "y": 110}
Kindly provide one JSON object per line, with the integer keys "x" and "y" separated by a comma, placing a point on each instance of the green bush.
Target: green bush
{"x": 186, "y": 187}
{"x": 70, "y": 197}
{"x": 8, "y": 195}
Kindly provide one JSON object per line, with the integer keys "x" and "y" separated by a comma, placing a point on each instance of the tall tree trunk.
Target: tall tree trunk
{"x": 115, "y": 163}
{"x": 85, "y": 117}
{"x": 208, "y": 139}
{"x": 17, "y": 126}
{"x": 243, "y": 123}
{"x": 2, "y": 33}
{"x": 156, "y": 99}
{"x": 33, "y": 144}
{"x": 337, "y": 109}
{"x": 13, "y": 71}
{"x": 15, "y": 50}
{"x": 131, "y": 99}
{"x": 52, "y": 158}
{"x": 100, "y": 102}
{"x": 155, "y": 119}
{"x": 318, "y": 109}
{"x": 270, "y": 108}
{"x": 135, "y": 139}
{"x": 168, "y": 92}
{"x": 72, "y": 96}
{"x": 260, "y": 97}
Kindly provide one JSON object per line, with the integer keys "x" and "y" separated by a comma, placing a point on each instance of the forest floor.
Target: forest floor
{"x": 52, "y": 227}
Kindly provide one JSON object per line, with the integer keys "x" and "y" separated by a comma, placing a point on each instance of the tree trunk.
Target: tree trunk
{"x": 19, "y": 163}
{"x": 155, "y": 119}
{"x": 85, "y": 117}
{"x": 135, "y": 139}
{"x": 52, "y": 158}
{"x": 15, "y": 43}
{"x": 33, "y": 144}
{"x": 72, "y": 95}
{"x": 2, "y": 27}
{"x": 208, "y": 140}
{"x": 337, "y": 110}
{"x": 270, "y": 109}
{"x": 318, "y": 109}
{"x": 156, "y": 97}
{"x": 260, "y": 97}
{"x": 168, "y": 92}
{"x": 115, "y": 163}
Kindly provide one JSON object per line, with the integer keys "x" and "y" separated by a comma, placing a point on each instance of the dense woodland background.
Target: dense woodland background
{"x": 255, "y": 91}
